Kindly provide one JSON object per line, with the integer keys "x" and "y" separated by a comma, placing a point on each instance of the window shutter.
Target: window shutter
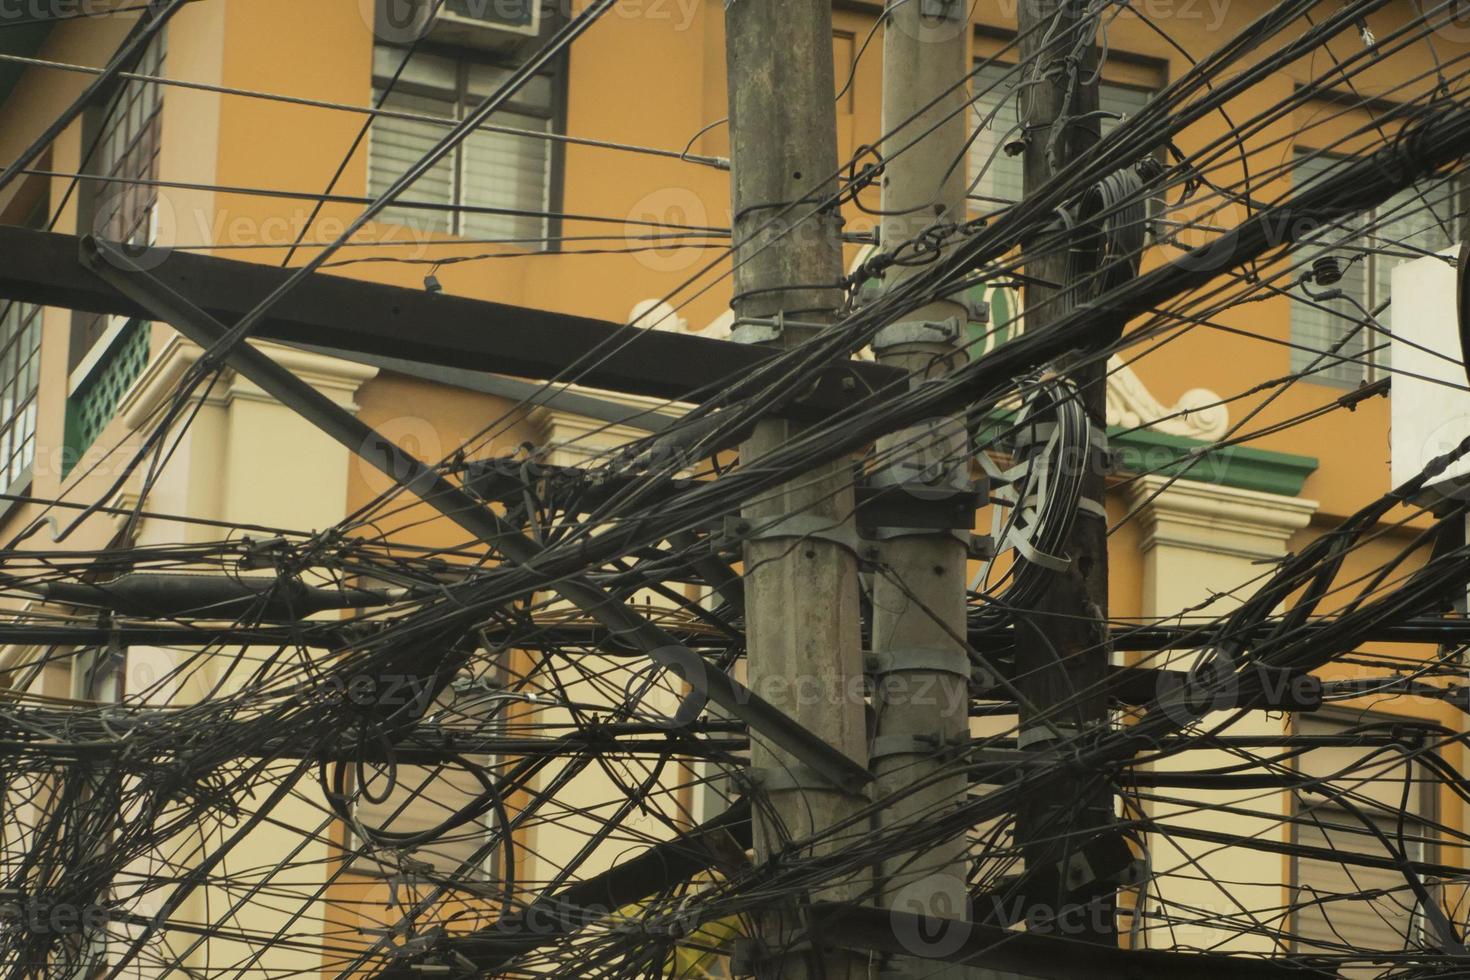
{"x": 423, "y": 798}
{"x": 1317, "y": 326}
{"x": 1380, "y": 922}
{"x": 1375, "y": 909}
{"x": 398, "y": 144}
{"x": 511, "y": 172}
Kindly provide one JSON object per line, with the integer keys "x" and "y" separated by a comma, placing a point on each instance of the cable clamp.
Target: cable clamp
{"x": 1035, "y": 738}
{"x": 983, "y": 677}
{"x": 938, "y": 660}
{"x": 944, "y": 9}
{"x": 761, "y": 330}
{"x": 1077, "y": 870}
{"x": 975, "y": 545}
{"x": 946, "y": 331}
{"x": 758, "y": 330}
{"x": 796, "y": 777}
{"x": 797, "y": 527}
{"x": 887, "y": 746}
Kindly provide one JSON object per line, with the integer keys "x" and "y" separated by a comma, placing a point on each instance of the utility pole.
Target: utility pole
{"x": 919, "y": 665}
{"x": 1061, "y": 642}
{"x": 803, "y": 634}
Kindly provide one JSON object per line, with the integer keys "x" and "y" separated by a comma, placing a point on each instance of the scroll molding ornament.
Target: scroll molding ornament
{"x": 1196, "y": 415}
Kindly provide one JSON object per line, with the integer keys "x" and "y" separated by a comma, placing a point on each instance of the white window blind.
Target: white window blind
{"x": 503, "y": 172}
{"x": 20, "y": 346}
{"x": 1339, "y": 905}
{"x": 424, "y": 797}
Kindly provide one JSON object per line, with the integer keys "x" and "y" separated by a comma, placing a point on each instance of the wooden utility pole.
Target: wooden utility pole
{"x": 802, "y": 623}
{"x": 1061, "y": 643}
{"x": 920, "y": 669}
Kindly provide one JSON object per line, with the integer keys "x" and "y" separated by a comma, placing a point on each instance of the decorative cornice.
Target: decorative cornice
{"x": 335, "y": 378}
{"x": 574, "y": 440}
{"x": 1148, "y": 436}
{"x": 1214, "y": 518}
{"x": 1146, "y": 452}
{"x": 1198, "y": 414}
{"x": 1247, "y": 468}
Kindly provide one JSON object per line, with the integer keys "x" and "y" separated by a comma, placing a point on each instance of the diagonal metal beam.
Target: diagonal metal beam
{"x": 117, "y": 268}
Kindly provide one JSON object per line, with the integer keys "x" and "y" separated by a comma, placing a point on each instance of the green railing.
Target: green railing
{"x": 94, "y": 402}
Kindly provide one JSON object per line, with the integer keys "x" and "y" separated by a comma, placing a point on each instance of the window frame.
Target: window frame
{"x": 30, "y": 317}
{"x": 554, "y": 113}
{"x": 489, "y": 870}
{"x": 1373, "y": 363}
{"x": 973, "y": 115}
{"x": 1425, "y": 814}
{"x": 100, "y": 124}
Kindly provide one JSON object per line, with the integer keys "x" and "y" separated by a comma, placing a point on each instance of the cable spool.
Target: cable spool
{"x": 1042, "y": 491}
{"x": 1113, "y": 214}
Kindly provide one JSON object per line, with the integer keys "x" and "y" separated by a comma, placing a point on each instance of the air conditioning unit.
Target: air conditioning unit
{"x": 494, "y": 25}
{"x": 498, "y": 26}
{"x": 1430, "y": 412}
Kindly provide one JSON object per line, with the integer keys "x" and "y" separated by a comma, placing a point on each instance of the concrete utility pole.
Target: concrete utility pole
{"x": 801, "y": 581}
{"x": 920, "y": 670}
{"x": 1061, "y": 643}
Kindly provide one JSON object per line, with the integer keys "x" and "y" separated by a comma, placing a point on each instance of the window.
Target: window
{"x": 424, "y": 797}
{"x": 997, "y": 179}
{"x": 1001, "y": 176}
{"x": 125, "y": 140}
{"x": 504, "y": 171}
{"x": 844, "y": 66}
{"x": 108, "y": 353}
{"x": 20, "y": 359}
{"x": 1382, "y": 912}
{"x": 128, "y": 149}
{"x": 1367, "y": 247}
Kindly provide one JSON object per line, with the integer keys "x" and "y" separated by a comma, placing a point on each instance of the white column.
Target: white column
{"x": 1207, "y": 546}
{"x": 247, "y": 458}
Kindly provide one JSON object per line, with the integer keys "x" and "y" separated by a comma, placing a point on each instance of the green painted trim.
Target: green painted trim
{"x": 1242, "y": 467}
{"x": 1148, "y": 451}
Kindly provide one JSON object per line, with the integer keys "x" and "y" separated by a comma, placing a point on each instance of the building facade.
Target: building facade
{"x": 598, "y": 192}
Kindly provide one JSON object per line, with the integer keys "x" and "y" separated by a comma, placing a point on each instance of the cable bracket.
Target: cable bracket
{"x": 798, "y": 527}
{"x": 938, "y": 660}
{"x": 887, "y": 746}
{"x": 944, "y": 9}
{"x": 797, "y": 777}
{"x": 946, "y": 331}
